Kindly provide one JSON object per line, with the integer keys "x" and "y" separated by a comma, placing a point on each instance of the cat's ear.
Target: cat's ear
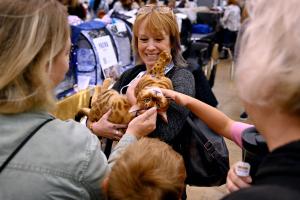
{"x": 164, "y": 116}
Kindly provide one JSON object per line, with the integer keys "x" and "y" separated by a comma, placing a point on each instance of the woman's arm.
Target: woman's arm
{"x": 214, "y": 118}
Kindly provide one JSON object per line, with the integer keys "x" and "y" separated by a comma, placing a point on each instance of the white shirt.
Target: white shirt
{"x": 232, "y": 18}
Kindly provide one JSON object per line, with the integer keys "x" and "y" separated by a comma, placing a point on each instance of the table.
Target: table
{"x": 69, "y": 106}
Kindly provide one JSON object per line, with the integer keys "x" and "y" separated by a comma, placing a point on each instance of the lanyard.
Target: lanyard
{"x": 168, "y": 68}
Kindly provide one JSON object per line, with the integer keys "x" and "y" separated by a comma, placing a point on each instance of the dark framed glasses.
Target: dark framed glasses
{"x": 149, "y": 8}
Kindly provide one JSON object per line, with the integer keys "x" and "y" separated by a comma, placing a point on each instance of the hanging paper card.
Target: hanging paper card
{"x": 106, "y": 52}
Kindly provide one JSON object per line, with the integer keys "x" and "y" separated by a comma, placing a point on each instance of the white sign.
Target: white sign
{"x": 105, "y": 51}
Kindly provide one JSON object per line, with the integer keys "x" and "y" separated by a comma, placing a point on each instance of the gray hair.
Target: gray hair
{"x": 268, "y": 67}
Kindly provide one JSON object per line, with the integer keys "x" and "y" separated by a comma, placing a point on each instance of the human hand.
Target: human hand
{"x": 178, "y": 97}
{"x": 106, "y": 129}
{"x": 130, "y": 93}
{"x": 143, "y": 124}
{"x": 235, "y": 182}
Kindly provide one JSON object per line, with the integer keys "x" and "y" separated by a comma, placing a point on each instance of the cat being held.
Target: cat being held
{"x": 147, "y": 93}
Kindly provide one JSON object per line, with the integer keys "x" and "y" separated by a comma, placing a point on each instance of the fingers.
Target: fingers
{"x": 235, "y": 182}
{"x": 168, "y": 93}
{"x": 118, "y": 126}
{"x": 143, "y": 124}
{"x": 113, "y": 131}
{"x": 231, "y": 187}
{"x": 178, "y": 97}
{"x": 116, "y": 135}
{"x": 105, "y": 128}
{"x": 148, "y": 113}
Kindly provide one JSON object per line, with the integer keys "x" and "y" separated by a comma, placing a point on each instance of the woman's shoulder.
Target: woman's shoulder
{"x": 183, "y": 80}
{"x": 76, "y": 133}
{"x": 69, "y": 138}
{"x": 77, "y": 149}
{"x": 180, "y": 72}
{"x": 177, "y": 69}
{"x": 63, "y": 149}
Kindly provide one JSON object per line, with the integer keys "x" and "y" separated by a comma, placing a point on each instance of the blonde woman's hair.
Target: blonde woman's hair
{"x": 268, "y": 67}
{"x": 148, "y": 169}
{"x": 32, "y": 33}
{"x": 156, "y": 22}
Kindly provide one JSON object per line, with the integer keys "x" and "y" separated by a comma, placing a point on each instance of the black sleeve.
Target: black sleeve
{"x": 266, "y": 192}
{"x": 183, "y": 82}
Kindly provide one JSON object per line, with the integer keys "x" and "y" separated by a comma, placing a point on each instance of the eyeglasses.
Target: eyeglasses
{"x": 149, "y": 8}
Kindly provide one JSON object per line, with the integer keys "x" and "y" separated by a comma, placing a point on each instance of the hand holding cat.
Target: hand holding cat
{"x": 104, "y": 128}
{"x": 143, "y": 124}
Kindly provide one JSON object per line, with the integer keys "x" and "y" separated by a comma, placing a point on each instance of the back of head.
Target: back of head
{"x": 268, "y": 68}
{"x": 148, "y": 169}
{"x": 158, "y": 19}
{"x": 32, "y": 33}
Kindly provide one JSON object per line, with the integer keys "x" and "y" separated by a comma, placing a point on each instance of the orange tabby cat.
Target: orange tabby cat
{"x": 147, "y": 93}
{"x": 105, "y": 99}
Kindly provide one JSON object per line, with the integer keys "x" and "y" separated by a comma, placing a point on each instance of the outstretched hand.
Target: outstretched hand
{"x": 106, "y": 129}
{"x": 143, "y": 124}
{"x": 178, "y": 97}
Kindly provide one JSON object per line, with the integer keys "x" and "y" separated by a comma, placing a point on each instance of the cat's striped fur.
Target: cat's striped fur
{"x": 147, "y": 94}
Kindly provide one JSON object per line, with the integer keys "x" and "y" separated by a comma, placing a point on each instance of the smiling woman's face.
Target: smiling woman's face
{"x": 150, "y": 46}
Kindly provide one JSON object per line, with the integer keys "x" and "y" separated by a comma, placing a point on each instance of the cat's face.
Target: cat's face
{"x": 152, "y": 97}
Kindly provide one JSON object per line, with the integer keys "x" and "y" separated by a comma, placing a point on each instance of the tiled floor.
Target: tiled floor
{"x": 229, "y": 103}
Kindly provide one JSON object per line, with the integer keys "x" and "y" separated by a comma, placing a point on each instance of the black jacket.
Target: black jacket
{"x": 278, "y": 176}
{"x": 183, "y": 81}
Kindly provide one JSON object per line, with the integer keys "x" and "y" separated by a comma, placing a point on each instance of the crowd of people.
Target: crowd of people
{"x": 43, "y": 157}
